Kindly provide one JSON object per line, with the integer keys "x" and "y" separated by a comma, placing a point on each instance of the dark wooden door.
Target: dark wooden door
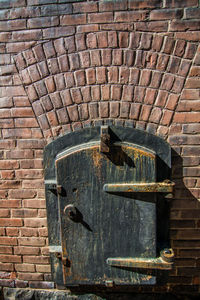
{"x": 105, "y": 224}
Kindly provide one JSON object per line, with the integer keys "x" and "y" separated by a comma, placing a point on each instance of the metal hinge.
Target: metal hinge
{"x": 53, "y": 186}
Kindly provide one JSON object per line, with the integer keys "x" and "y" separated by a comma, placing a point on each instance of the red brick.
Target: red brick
{"x": 124, "y": 109}
{"x": 11, "y": 25}
{"x": 189, "y": 106}
{"x": 104, "y": 109}
{"x": 69, "y": 79}
{"x": 106, "y": 57}
{"x": 95, "y": 92}
{"x": 73, "y": 113}
{"x": 145, "y": 112}
{"x": 150, "y": 96}
{"x": 75, "y": 19}
{"x": 189, "y": 36}
{"x": 86, "y": 94}
{"x": 106, "y": 17}
{"x": 116, "y": 91}
{"x": 10, "y": 258}
{"x": 76, "y": 95}
{"x": 74, "y": 61}
{"x": 156, "y": 26}
{"x": 42, "y": 22}
{"x": 9, "y": 164}
{"x": 53, "y": 66}
{"x": 80, "y": 41}
{"x": 16, "y": 154}
{"x": 139, "y": 93}
{"x": 180, "y": 48}
{"x": 178, "y": 85}
{"x": 22, "y": 112}
{"x": 87, "y": 28}
{"x": 129, "y": 57}
{"x": 25, "y": 268}
{"x": 183, "y": 25}
{"x": 117, "y": 57}
{"x": 4, "y": 213}
{"x": 127, "y": 94}
{"x": 29, "y": 232}
{"x": 56, "y": 32}
{"x": 26, "y": 122}
{"x": 192, "y": 83}
{"x": 31, "y": 241}
{"x": 189, "y": 117}
{"x": 83, "y": 111}
{"x": 172, "y": 101}
{"x": 38, "y": 52}
{"x": 112, "y": 6}
{"x": 7, "y": 174}
{"x": 191, "y": 128}
{"x": 145, "y": 77}
{"x": 166, "y": 14}
{"x": 85, "y": 7}
{"x": 130, "y": 16}
{"x": 105, "y": 92}
{"x": 66, "y": 97}
{"x": 43, "y": 268}
{"x": 46, "y": 103}
{"x": 80, "y": 77}
{"x": 166, "y": 118}
{"x": 32, "y": 94}
{"x": 93, "y": 110}
{"x": 10, "y": 203}
{"x": 62, "y": 115}
{"x": 95, "y": 58}
{"x": 190, "y": 94}
{"x": 30, "y": 276}
{"x": 124, "y": 75}
{"x": 27, "y": 35}
{"x": 112, "y": 39}
{"x": 11, "y": 241}
{"x": 155, "y": 115}
{"x": 101, "y": 75}
{"x": 12, "y": 231}
{"x": 36, "y": 203}
{"x": 113, "y": 74}
{"x": 59, "y": 46}
{"x": 91, "y": 40}
{"x": 184, "y": 67}
{"x": 161, "y": 98}
{"x": 36, "y": 259}
{"x": 134, "y": 76}
{"x": 135, "y": 110}
{"x": 102, "y": 39}
{"x": 114, "y": 109}
{"x": 179, "y": 3}
{"x": 84, "y": 59}
{"x": 5, "y": 250}
{"x": 162, "y": 62}
{"x": 144, "y": 4}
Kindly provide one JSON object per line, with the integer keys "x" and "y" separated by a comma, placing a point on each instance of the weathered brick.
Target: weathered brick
{"x": 80, "y": 77}
{"x": 166, "y": 14}
{"x": 127, "y": 94}
{"x": 46, "y": 103}
{"x": 104, "y": 109}
{"x": 69, "y": 79}
{"x": 93, "y": 110}
{"x": 56, "y": 32}
{"x": 180, "y": 48}
{"x": 76, "y": 95}
{"x": 179, "y": 3}
{"x": 60, "y": 82}
{"x": 145, "y": 77}
{"x": 95, "y": 58}
{"x": 42, "y": 22}
{"x": 156, "y": 26}
{"x": 145, "y": 112}
{"x": 95, "y": 92}
{"x": 101, "y": 75}
{"x": 183, "y": 25}
{"x": 73, "y": 113}
{"x": 105, "y": 17}
{"x": 135, "y": 110}
{"x": 112, "y": 39}
{"x": 75, "y": 19}
{"x": 83, "y": 111}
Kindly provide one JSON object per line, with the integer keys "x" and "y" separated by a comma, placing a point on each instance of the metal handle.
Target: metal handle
{"x": 70, "y": 211}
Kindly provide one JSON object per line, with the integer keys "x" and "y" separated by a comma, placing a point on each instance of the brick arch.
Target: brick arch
{"x": 120, "y": 75}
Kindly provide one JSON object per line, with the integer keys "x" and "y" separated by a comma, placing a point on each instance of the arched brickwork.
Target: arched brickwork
{"x": 103, "y": 75}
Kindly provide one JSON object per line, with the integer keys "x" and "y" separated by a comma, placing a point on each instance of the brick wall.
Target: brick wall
{"x": 69, "y": 64}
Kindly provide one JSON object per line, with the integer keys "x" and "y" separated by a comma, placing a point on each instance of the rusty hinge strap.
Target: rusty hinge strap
{"x": 105, "y": 139}
{"x": 152, "y": 187}
{"x": 53, "y": 186}
{"x": 164, "y": 262}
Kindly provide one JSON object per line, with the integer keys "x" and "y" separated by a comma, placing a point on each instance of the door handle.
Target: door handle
{"x": 164, "y": 262}
{"x": 71, "y": 211}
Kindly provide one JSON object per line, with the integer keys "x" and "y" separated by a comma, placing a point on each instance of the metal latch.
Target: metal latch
{"x": 164, "y": 262}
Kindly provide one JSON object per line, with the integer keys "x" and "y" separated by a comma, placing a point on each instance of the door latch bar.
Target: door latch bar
{"x": 164, "y": 262}
{"x": 152, "y": 187}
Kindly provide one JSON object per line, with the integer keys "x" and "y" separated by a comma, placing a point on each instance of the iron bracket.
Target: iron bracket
{"x": 105, "y": 139}
{"x": 53, "y": 187}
